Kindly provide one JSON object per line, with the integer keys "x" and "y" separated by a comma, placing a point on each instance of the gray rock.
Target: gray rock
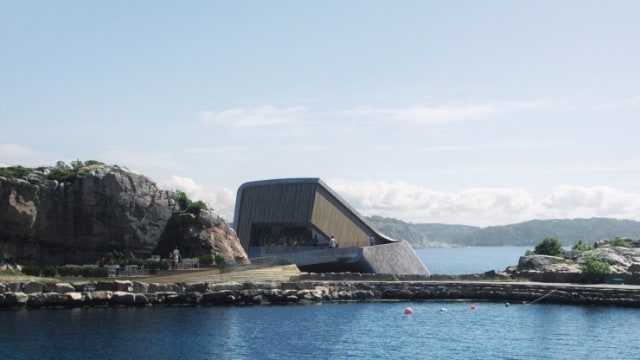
{"x": 99, "y": 297}
{"x": 15, "y": 299}
{"x": 123, "y": 298}
{"x": 45, "y": 222}
{"x": 231, "y": 285}
{"x": 140, "y": 287}
{"x": 123, "y": 285}
{"x": 538, "y": 262}
{"x": 64, "y": 288}
{"x": 199, "y": 287}
{"x": 57, "y": 299}
{"x": 106, "y": 286}
{"x": 33, "y": 287}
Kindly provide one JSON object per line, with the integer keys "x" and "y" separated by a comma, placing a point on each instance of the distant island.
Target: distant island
{"x": 529, "y": 233}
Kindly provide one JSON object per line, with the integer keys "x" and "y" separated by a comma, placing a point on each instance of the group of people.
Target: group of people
{"x": 333, "y": 243}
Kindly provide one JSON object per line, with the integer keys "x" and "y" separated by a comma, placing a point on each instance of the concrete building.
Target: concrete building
{"x": 294, "y": 220}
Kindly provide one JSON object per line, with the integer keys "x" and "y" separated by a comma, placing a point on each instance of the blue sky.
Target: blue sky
{"x": 461, "y": 112}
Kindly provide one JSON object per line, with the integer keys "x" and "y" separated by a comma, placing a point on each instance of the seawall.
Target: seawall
{"x": 33, "y": 295}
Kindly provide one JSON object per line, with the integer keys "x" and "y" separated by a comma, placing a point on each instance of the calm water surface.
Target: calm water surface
{"x": 325, "y": 331}
{"x": 331, "y": 330}
{"x": 470, "y": 260}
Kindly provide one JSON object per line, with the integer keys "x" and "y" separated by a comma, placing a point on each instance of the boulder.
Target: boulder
{"x": 15, "y": 299}
{"x": 123, "y": 298}
{"x": 33, "y": 287}
{"x": 538, "y": 262}
{"x": 123, "y": 285}
{"x": 64, "y": 288}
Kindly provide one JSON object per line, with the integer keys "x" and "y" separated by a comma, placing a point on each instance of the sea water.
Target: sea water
{"x": 470, "y": 260}
{"x": 435, "y": 330}
{"x": 369, "y": 330}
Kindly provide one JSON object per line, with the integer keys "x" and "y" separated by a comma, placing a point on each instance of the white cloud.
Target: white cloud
{"x": 484, "y": 206}
{"x": 426, "y": 114}
{"x": 578, "y": 201}
{"x": 267, "y": 115}
{"x": 433, "y": 114}
{"x": 221, "y": 201}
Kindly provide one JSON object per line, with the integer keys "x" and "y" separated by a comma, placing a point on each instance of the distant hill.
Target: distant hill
{"x": 567, "y": 231}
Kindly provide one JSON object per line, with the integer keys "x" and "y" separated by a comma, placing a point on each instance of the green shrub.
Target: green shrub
{"x": 83, "y": 271}
{"x": 31, "y": 270}
{"x": 183, "y": 200}
{"x": 595, "y": 270}
{"x": 93, "y": 272}
{"x": 49, "y": 271}
{"x": 618, "y": 241}
{"x": 186, "y": 205}
{"x": 15, "y": 171}
{"x": 206, "y": 259}
{"x": 219, "y": 259}
{"x": 221, "y": 262}
{"x": 581, "y": 246}
{"x": 66, "y": 271}
{"x": 138, "y": 262}
{"x": 195, "y": 207}
{"x": 62, "y": 172}
{"x": 156, "y": 265}
{"x": 549, "y": 246}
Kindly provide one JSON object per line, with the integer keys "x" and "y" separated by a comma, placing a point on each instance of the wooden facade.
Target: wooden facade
{"x": 296, "y": 209}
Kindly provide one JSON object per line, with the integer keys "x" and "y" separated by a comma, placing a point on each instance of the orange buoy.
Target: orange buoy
{"x": 473, "y": 307}
{"x": 408, "y": 311}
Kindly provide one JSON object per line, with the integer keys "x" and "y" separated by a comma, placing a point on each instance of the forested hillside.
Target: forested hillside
{"x": 568, "y": 231}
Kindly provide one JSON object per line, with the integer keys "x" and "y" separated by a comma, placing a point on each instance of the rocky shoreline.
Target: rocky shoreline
{"x": 127, "y": 293}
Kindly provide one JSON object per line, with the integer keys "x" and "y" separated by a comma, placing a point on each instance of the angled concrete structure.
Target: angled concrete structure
{"x": 293, "y": 220}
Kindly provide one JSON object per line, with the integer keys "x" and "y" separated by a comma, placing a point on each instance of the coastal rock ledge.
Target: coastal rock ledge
{"x": 128, "y": 293}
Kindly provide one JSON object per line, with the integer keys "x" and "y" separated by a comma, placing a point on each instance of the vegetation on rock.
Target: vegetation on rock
{"x": 581, "y": 246}
{"x": 186, "y": 205}
{"x": 549, "y": 246}
{"x": 61, "y": 172}
{"x": 595, "y": 270}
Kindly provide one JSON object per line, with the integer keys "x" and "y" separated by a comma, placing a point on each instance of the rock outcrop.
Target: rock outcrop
{"x": 101, "y": 209}
{"x": 623, "y": 259}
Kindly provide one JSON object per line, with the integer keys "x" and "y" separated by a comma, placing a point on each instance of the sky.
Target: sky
{"x": 458, "y": 112}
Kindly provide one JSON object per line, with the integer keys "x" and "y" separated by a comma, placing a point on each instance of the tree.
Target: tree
{"x": 183, "y": 200}
{"x": 549, "y": 246}
{"x": 595, "y": 270}
{"x": 187, "y": 205}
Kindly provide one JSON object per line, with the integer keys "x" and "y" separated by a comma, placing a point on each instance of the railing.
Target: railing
{"x": 307, "y": 255}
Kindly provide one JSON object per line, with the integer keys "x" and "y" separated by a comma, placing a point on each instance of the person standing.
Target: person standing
{"x": 333, "y": 243}
{"x": 372, "y": 240}
{"x": 176, "y": 258}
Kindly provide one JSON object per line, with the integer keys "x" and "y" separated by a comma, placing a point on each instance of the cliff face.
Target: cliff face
{"x": 101, "y": 209}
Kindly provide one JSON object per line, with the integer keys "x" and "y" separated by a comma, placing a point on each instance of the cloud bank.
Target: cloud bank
{"x": 473, "y": 206}
{"x": 485, "y": 206}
